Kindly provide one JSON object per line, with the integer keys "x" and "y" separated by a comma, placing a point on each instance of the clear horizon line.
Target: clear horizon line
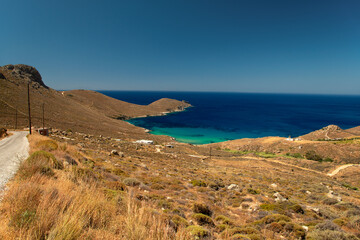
{"x": 199, "y": 91}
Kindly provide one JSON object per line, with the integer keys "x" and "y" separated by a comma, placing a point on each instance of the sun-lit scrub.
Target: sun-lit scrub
{"x": 64, "y": 191}
{"x": 48, "y": 201}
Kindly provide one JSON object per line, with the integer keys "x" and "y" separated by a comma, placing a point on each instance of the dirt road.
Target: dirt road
{"x": 338, "y": 169}
{"x": 13, "y": 150}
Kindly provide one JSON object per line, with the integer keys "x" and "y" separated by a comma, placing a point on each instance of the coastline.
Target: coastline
{"x": 157, "y": 115}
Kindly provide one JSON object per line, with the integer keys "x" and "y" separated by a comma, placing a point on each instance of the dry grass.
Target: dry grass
{"x": 61, "y": 206}
{"x": 147, "y": 196}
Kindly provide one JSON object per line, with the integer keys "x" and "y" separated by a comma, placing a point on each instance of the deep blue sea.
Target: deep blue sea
{"x": 218, "y": 117}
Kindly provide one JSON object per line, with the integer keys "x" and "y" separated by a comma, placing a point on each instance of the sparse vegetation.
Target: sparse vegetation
{"x": 104, "y": 196}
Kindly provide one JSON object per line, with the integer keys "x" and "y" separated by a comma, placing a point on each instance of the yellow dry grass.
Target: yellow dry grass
{"x": 62, "y": 206}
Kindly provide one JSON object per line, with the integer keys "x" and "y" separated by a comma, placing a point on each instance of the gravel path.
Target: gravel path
{"x": 338, "y": 169}
{"x": 13, "y": 150}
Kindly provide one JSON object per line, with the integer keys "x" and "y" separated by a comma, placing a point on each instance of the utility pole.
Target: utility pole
{"x": 43, "y": 114}
{"x": 15, "y": 118}
{"x": 29, "y": 107}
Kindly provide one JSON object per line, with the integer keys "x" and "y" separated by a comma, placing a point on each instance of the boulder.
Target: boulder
{"x": 233, "y": 187}
{"x": 279, "y": 198}
{"x": 114, "y": 153}
{"x": 3, "y": 132}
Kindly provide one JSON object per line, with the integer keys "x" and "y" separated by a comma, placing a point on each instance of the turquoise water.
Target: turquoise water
{"x": 218, "y": 117}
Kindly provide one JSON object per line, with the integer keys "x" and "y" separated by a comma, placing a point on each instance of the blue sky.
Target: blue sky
{"x": 303, "y": 46}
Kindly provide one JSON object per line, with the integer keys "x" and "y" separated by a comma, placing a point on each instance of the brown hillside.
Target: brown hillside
{"x": 123, "y": 110}
{"x": 78, "y": 110}
{"x": 355, "y": 130}
{"x": 330, "y": 132}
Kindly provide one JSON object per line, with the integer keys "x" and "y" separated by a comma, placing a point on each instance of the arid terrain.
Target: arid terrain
{"x": 77, "y": 110}
{"x": 90, "y": 180}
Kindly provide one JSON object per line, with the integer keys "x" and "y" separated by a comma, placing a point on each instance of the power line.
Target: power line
{"x": 29, "y": 107}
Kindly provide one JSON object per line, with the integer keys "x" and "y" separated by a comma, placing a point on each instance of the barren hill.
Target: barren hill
{"x": 330, "y": 132}
{"x": 123, "y": 110}
{"x": 78, "y": 110}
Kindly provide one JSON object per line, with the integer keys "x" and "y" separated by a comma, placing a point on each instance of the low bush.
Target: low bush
{"x": 312, "y": 155}
{"x": 83, "y": 174}
{"x": 47, "y": 145}
{"x": 330, "y": 201}
{"x": 179, "y": 221}
{"x": 297, "y": 208}
{"x": 348, "y": 186}
{"x": 198, "y": 231}
{"x": 327, "y": 159}
{"x": 46, "y": 157}
{"x": 329, "y": 235}
{"x": 198, "y": 183}
{"x": 39, "y": 162}
{"x": 274, "y": 218}
{"x": 132, "y": 182}
{"x": 116, "y": 186}
{"x": 203, "y": 219}
{"x": 222, "y": 219}
{"x": 294, "y": 155}
{"x": 327, "y": 225}
{"x": 202, "y": 208}
{"x": 253, "y": 191}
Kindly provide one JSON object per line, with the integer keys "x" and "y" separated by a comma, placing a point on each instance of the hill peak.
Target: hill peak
{"x": 21, "y": 73}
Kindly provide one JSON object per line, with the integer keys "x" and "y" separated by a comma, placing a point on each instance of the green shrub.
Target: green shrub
{"x": 297, "y": 208}
{"x": 268, "y": 206}
{"x": 294, "y": 155}
{"x": 198, "y": 231}
{"x": 350, "y": 187}
{"x": 253, "y": 191}
{"x": 198, "y": 183}
{"x": 341, "y": 221}
{"x": 312, "y": 155}
{"x": 274, "y": 218}
{"x": 222, "y": 219}
{"x": 203, "y": 219}
{"x": 327, "y": 159}
{"x": 222, "y": 227}
{"x": 179, "y": 221}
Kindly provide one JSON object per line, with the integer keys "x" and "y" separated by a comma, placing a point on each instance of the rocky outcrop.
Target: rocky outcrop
{"x": 330, "y": 128}
{"x": 22, "y": 73}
